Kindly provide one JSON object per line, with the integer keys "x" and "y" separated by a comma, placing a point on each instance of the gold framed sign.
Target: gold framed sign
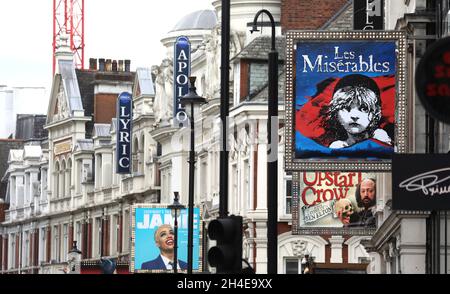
{"x": 345, "y": 100}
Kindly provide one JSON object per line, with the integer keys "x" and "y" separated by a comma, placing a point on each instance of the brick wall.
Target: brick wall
{"x": 307, "y": 14}
{"x": 104, "y": 108}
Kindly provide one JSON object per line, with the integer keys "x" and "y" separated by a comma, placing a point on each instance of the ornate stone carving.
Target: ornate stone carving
{"x": 163, "y": 105}
{"x": 62, "y": 110}
{"x": 298, "y": 247}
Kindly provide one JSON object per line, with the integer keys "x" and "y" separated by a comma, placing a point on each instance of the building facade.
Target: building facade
{"x": 66, "y": 188}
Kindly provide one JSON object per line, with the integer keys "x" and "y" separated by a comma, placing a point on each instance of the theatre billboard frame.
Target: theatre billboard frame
{"x": 142, "y": 239}
{"x": 393, "y": 114}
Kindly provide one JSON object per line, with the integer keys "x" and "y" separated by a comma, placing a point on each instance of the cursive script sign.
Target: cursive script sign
{"x": 424, "y": 185}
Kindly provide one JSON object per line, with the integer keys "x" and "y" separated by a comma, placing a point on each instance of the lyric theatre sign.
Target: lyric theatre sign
{"x": 124, "y": 128}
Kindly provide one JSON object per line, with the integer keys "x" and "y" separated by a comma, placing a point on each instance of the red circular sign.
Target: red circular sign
{"x": 433, "y": 80}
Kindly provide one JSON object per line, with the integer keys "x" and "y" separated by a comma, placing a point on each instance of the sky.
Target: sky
{"x": 114, "y": 29}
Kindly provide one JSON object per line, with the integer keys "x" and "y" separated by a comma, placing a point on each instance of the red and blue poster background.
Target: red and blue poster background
{"x": 320, "y": 65}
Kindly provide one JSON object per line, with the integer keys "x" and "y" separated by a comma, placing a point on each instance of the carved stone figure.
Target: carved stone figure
{"x": 213, "y": 59}
{"x": 62, "y": 110}
{"x": 163, "y": 105}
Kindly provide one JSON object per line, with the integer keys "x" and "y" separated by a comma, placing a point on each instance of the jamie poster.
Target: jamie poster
{"x": 344, "y": 100}
{"x": 335, "y": 200}
{"x": 153, "y": 237}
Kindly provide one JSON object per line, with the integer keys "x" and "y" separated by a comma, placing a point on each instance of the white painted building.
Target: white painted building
{"x": 81, "y": 198}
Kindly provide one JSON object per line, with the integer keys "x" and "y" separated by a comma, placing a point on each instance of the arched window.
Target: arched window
{"x": 135, "y": 154}
{"x": 62, "y": 180}
{"x": 56, "y": 180}
{"x": 141, "y": 158}
{"x": 68, "y": 178}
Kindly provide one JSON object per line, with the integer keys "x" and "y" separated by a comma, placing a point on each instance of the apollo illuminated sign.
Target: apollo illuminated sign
{"x": 124, "y": 128}
{"x": 182, "y": 69}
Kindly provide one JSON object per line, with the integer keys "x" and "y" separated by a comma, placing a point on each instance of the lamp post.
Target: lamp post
{"x": 192, "y": 99}
{"x": 272, "y": 140}
{"x": 74, "y": 258}
{"x": 175, "y": 207}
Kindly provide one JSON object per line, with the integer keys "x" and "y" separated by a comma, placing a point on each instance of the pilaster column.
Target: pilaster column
{"x": 261, "y": 247}
{"x": 336, "y": 249}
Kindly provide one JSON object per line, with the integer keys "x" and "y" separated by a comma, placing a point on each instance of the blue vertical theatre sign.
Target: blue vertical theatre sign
{"x": 181, "y": 72}
{"x": 124, "y": 127}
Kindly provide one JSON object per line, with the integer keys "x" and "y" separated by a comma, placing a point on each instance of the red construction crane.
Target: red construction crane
{"x": 68, "y": 17}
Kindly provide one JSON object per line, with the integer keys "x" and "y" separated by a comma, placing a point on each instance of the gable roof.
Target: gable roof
{"x": 84, "y": 145}
{"x": 262, "y": 94}
{"x": 260, "y": 47}
{"x": 102, "y": 130}
{"x": 144, "y": 81}
{"x": 70, "y": 83}
{"x": 65, "y": 80}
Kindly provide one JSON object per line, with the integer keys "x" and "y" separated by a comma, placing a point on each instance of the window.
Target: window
{"x": 56, "y": 181}
{"x": 78, "y": 234}
{"x": 292, "y": 266}
{"x": 98, "y": 237}
{"x": 44, "y": 184}
{"x": 62, "y": 180}
{"x": 115, "y": 234}
{"x": 134, "y": 155}
{"x": 78, "y": 176}
{"x": 234, "y": 188}
{"x": 65, "y": 242}
{"x": 56, "y": 244}
{"x": 68, "y": 178}
{"x": 43, "y": 244}
{"x": 26, "y": 248}
{"x": 12, "y": 256}
{"x": 141, "y": 159}
{"x": 203, "y": 179}
{"x": 98, "y": 174}
{"x": 246, "y": 185}
{"x": 289, "y": 190}
{"x": 27, "y": 189}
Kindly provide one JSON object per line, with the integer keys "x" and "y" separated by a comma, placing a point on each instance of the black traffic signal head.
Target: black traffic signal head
{"x": 226, "y": 256}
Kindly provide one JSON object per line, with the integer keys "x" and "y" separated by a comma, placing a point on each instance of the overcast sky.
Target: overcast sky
{"x": 115, "y": 29}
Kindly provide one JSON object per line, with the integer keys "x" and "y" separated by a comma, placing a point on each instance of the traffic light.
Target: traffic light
{"x": 226, "y": 256}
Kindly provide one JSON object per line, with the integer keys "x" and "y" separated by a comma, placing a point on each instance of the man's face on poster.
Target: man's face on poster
{"x": 367, "y": 192}
{"x": 165, "y": 238}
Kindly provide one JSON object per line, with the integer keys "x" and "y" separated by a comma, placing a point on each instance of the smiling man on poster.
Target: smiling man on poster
{"x": 164, "y": 240}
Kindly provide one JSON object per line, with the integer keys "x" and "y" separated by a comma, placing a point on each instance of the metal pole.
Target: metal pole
{"x": 272, "y": 151}
{"x": 272, "y": 166}
{"x": 224, "y": 106}
{"x": 445, "y": 238}
{"x": 175, "y": 251}
{"x": 191, "y": 193}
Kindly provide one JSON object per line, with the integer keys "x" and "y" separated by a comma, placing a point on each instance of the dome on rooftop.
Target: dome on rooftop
{"x": 201, "y": 19}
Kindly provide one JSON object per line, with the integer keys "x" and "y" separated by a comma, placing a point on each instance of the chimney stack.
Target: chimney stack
{"x": 120, "y": 65}
{"x": 114, "y": 65}
{"x": 127, "y": 65}
{"x": 101, "y": 64}
{"x": 93, "y": 63}
{"x": 108, "y": 65}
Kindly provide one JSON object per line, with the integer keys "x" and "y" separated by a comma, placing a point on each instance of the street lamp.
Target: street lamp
{"x": 272, "y": 163}
{"x": 192, "y": 99}
{"x": 74, "y": 258}
{"x": 175, "y": 207}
